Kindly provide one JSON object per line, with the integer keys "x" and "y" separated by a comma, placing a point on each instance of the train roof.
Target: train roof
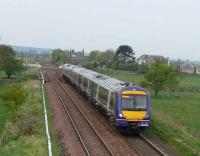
{"x": 105, "y": 81}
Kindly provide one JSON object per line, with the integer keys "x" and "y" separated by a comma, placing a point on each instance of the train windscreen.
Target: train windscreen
{"x": 134, "y": 102}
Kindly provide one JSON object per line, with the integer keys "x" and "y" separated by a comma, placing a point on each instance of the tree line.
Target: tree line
{"x": 157, "y": 76}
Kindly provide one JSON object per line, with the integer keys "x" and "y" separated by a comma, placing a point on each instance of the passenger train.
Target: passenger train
{"x": 126, "y": 105}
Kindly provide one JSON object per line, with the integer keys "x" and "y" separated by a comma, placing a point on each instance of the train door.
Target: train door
{"x": 79, "y": 78}
{"x": 91, "y": 90}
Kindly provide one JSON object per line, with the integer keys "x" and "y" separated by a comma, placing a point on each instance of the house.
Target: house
{"x": 149, "y": 59}
{"x": 197, "y": 69}
{"x": 75, "y": 57}
{"x": 188, "y": 68}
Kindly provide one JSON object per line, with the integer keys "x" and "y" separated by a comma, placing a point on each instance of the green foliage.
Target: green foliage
{"x": 88, "y": 65}
{"x": 102, "y": 58}
{"x": 94, "y": 64}
{"x": 115, "y": 65}
{"x": 15, "y": 95}
{"x": 125, "y": 54}
{"x": 25, "y": 146}
{"x": 24, "y": 132}
{"x": 28, "y": 119}
{"x": 3, "y": 111}
{"x": 93, "y": 55}
{"x": 8, "y": 62}
{"x": 58, "y": 57}
{"x": 2, "y": 74}
{"x": 160, "y": 76}
{"x": 143, "y": 68}
{"x": 30, "y": 73}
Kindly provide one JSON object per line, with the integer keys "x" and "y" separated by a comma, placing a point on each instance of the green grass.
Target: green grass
{"x": 2, "y": 112}
{"x": 25, "y": 146}
{"x": 11, "y": 141}
{"x": 190, "y": 81}
{"x": 179, "y": 113}
{"x": 2, "y": 74}
{"x": 2, "y": 115}
{"x": 123, "y": 76}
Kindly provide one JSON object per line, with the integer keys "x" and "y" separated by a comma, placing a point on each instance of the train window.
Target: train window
{"x": 90, "y": 86}
{"x": 85, "y": 82}
{"x": 134, "y": 102}
{"x": 112, "y": 100}
{"x": 103, "y": 94}
{"x": 95, "y": 89}
{"x": 80, "y": 79}
{"x": 74, "y": 76}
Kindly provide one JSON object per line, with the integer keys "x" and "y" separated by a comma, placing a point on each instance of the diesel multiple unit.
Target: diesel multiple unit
{"x": 127, "y": 106}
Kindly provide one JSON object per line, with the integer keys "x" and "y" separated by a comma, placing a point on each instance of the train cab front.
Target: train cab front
{"x": 133, "y": 108}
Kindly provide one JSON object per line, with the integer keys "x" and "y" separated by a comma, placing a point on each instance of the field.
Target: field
{"x": 180, "y": 114}
{"x": 175, "y": 115}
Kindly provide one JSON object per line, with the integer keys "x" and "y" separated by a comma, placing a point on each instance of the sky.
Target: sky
{"x": 158, "y": 27}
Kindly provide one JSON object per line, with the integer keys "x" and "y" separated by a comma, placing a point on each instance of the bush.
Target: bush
{"x": 30, "y": 73}
{"x": 88, "y": 65}
{"x": 28, "y": 119}
{"x": 15, "y": 95}
{"x": 143, "y": 68}
{"x": 114, "y": 65}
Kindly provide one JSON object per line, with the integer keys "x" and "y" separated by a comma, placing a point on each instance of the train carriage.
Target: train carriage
{"x": 126, "y": 105}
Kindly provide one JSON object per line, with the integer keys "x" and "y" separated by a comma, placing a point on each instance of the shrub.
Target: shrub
{"x": 115, "y": 65}
{"x": 15, "y": 95}
{"x": 88, "y": 65}
{"x": 28, "y": 119}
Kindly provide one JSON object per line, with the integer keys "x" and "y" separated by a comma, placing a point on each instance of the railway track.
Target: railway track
{"x": 155, "y": 147}
{"x": 88, "y": 148}
{"x": 90, "y": 139}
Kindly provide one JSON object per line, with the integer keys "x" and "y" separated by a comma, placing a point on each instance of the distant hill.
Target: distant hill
{"x": 32, "y": 49}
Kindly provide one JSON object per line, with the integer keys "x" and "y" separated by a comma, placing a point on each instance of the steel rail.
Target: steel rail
{"x": 72, "y": 121}
{"x": 152, "y": 145}
{"x": 76, "y": 105}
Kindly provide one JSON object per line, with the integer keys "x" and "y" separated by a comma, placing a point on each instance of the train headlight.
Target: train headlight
{"x": 120, "y": 115}
{"x": 147, "y": 116}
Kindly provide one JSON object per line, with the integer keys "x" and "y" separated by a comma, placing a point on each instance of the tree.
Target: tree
{"x": 93, "y": 55}
{"x": 58, "y": 57}
{"x": 161, "y": 76}
{"x": 8, "y": 62}
{"x": 125, "y": 54}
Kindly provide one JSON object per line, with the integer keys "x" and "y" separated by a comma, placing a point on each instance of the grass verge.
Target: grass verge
{"x": 25, "y": 135}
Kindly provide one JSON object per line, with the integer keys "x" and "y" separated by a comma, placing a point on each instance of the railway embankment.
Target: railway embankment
{"x": 22, "y": 130}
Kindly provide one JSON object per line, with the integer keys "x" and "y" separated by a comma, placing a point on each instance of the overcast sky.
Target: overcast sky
{"x": 164, "y": 27}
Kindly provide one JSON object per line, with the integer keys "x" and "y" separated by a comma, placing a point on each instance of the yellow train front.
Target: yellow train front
{"x": 132, "y": 108}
